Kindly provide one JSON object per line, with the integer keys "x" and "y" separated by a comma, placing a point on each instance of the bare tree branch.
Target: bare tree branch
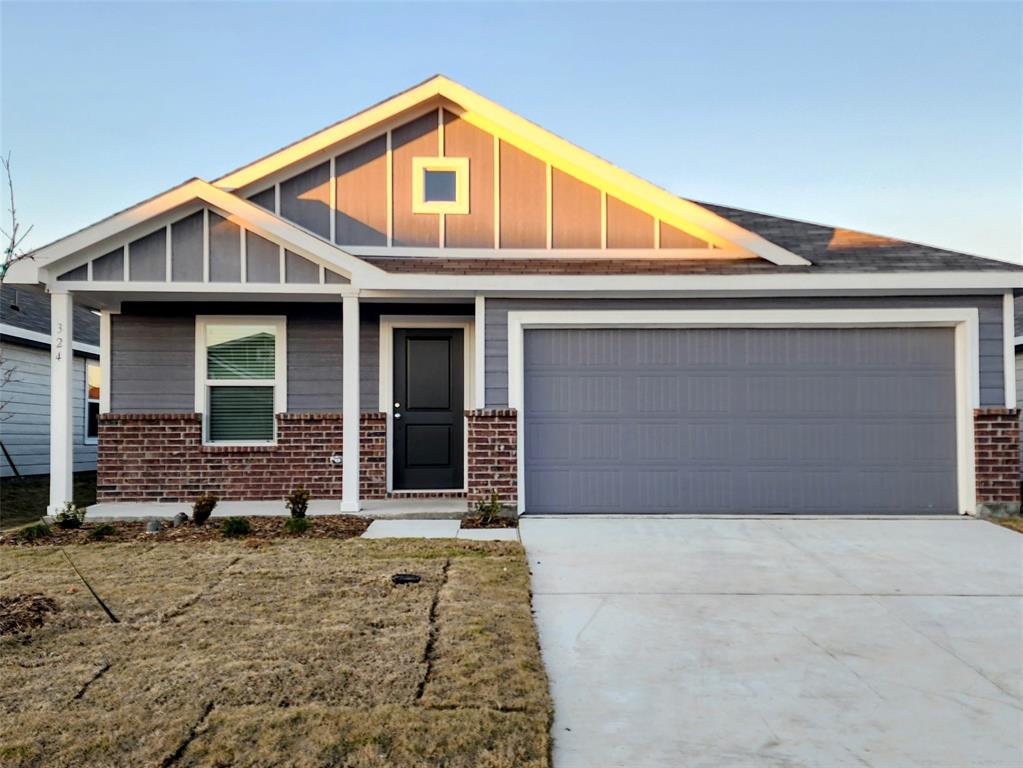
{"x": 13, "y": 237}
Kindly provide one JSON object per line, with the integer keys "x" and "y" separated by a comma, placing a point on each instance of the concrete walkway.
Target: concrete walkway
{"x": 775, "y": 642}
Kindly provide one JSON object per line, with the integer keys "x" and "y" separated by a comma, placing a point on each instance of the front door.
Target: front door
{"x": 428, "y": 409}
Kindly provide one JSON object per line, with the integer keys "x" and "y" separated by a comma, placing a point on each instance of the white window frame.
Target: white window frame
{"x": 99, "y": 402}
{"x": 279, "y": 382}
{"x": 457, "y": 165}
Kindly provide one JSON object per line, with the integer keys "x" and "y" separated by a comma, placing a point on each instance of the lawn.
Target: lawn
{"x": 24, "y": 501}
{"x": 1012, "y": 523}
{"x": 299, "y": 652}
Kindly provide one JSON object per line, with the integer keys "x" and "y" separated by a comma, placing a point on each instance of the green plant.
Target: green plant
{"x": 35, "y": 532}
{"x": 70, "y": 516}
{"x": 101, "y": 532}
{"x": 488, "y": 511}
{"x": 235, "y": 526}
{"x": 203, "y": 507}
{"x": 296, "y": 526}
{"x": 298, "y": 502}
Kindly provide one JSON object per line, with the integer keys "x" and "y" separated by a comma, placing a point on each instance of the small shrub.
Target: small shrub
{"x": 235, "y": 526}
{"x": 203, "y": 508}
{"x": 298, "y": 502}
{"x": 35, "y": 532}
{"x": 101, "y": 532}
{"x": 296, "y": 526}
{"x": 70, "y": 516}
{"x": 488, "y": 511}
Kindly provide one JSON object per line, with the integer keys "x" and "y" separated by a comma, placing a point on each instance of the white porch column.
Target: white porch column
{"x": 350, "y": 400}
{"x": 61, "y": 414}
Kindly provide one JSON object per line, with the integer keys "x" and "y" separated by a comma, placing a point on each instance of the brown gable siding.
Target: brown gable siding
{"x": 305, "y": 199}
{"x": 415, "y": 139}
{"x": 362, "y": 194}
{"x": 676, "y": 238}
{"x": 476, "y": 228}
{"x": 628, "y": 227}
{"x": 575, "y": 211}
{"x": 523, "y": 199}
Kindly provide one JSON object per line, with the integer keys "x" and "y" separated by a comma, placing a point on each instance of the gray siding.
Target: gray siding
{"x": 992, "y": 383}
{"x": 152, "y": 365}
{"x": 147, "y": 257}
{"x": 314, "y": 358}
{"x": 25, "y": 429}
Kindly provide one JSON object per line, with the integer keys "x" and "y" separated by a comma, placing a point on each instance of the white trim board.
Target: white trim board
{"x": 44, "y": 338}
{"x": 966, "y": 323}
{"x": 388, "y": 324}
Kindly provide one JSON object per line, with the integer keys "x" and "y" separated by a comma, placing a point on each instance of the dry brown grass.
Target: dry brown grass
{"x": 300, "y": 652}
{"x": 1012, "y": 523}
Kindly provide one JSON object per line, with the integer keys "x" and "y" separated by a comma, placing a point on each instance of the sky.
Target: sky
{"x": 903, "y": 119}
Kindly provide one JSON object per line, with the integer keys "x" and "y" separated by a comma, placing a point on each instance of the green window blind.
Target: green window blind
{"x": 241, "y": 413}
{"x": 239, "y": 353}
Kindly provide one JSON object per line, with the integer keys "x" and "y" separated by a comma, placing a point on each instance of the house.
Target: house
{"x": 25, "y": 372}
{"x": 437, "y": 297}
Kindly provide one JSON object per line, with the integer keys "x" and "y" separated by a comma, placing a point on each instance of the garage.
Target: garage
{"x": 739, "y": 420}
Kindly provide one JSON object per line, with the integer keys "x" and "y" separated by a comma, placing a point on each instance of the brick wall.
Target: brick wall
{"x": 160, "y": 457}
{"x": 493, "y": 465}
{"x": 996, "y": 447}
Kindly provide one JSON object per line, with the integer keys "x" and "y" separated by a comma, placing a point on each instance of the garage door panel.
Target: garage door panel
{"x": 733, "y": 420}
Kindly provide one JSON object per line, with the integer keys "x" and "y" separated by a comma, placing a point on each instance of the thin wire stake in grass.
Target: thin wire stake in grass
{"x": 88, "y": 586}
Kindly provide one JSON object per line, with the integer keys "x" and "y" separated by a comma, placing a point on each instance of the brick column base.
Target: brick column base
{"x": 996, "y": 451}
{"x": 160, "y": 457}
{"x": 493, "y": 457}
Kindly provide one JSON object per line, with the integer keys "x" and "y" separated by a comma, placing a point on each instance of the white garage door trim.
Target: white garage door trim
{"x": 966, "y": 323}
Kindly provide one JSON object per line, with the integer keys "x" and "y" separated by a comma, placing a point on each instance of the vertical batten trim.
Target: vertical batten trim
{"x": 333, "y": 199}
{"x": 390, "y": 192}
{"x": 1009, "y": 345}
{"x": 323, "y": 275}
{"x": 497, "y": 192}
{"x": 657, "y": 233}
{"x": 243, "y": 255}
{"x": 550, "y": 207}
{"x": 169, "y": 256}
{"x": 441, "y": 218}
{"x": 282, "y": 272}
{"x": 277, "y": 198}
{"x": 205, "y": 245}
{"x": 127, "y": 261}
{"x": 603, "y": 219}
{"x": 88, "y": 271}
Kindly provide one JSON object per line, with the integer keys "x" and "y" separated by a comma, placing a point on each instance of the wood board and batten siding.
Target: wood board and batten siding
{"x": 516, "y": 199}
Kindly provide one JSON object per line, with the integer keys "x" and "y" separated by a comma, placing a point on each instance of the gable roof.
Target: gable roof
{"x": 527, "y": 136}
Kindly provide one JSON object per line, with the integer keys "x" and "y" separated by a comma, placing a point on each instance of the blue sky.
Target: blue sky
{"x": 897, "y": 118}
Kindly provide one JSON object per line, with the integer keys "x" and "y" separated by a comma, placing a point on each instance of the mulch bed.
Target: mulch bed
{"x": 500, "y": 522}
{"x": 21, "y": 612}
{"x": 263, "y": 528}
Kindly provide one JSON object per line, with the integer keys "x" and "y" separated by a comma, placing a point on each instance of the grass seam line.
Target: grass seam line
{"x": 189, "y": 737}
{"x": 431, "y": 639}
{"x": 99, "y": 673}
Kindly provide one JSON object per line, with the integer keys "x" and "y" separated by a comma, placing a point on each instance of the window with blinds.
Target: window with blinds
{"x": 241, "y": 379}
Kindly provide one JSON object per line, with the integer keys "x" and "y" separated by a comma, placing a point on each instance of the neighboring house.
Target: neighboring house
{"x": 438, "y": 297}
{"x": 25, "y": 399}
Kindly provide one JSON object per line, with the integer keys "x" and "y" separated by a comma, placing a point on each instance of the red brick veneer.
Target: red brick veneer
{"x": 493, "y": 452}
{"x": 996, "y": 448}
{"x": 160, "y": 457}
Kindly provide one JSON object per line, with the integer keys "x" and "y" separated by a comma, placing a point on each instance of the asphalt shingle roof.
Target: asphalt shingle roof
{"x": 28, "y": 308}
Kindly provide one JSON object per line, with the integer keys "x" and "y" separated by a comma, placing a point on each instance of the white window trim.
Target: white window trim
{"x": 279, "y": 382}
{"x": 99, "y": 402}
{"x": 388, "y": 324}
{"x": 459, "y": 166}
{"x": 965, "y": 322}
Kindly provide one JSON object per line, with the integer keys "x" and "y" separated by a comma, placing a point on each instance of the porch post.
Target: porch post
{"x": 61, "y": 413}
{"x": 350, "y": 400}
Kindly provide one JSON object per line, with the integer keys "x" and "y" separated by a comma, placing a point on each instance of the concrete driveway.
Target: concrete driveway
{"x": 781, "y": 642}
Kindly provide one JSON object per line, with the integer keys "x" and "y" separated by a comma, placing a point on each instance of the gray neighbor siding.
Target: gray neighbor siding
{"x": 992, "y": 382}
{"x": 25, "y": 420}
{"x": 153, "y": 353}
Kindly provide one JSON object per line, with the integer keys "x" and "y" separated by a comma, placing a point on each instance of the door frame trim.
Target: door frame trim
{"x": 390, "y": 323}
{"x": 964, "y": 321}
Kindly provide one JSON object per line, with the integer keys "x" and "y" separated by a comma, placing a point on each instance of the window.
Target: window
{"x": 440, "y": 185}
{"x": 240, "y": 377}
{"x": 93, "y": 379}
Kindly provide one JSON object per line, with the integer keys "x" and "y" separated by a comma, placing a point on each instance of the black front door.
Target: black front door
{"x": 428, "y": 409}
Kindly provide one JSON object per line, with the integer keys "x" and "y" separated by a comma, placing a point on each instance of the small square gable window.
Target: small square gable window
{"x": 440, "y": 185}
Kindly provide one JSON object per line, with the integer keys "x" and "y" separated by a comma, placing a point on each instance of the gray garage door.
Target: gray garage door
{"x": 713, "y": 421}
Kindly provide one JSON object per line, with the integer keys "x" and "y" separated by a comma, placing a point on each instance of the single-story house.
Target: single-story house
{"x": 437, "y": 297}
{"x": 25, "y": 373}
